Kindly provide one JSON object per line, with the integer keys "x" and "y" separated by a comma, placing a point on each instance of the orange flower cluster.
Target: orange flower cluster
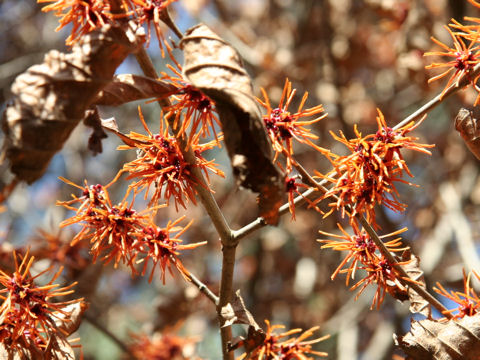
{"x": 85, "y": 16}
{"x": 149, "y": 12}
{"x": 367, "y": 176}
{"x": 275, "y": 346}
{"x": 88, "y": 15}
{"x": 161, "y": 163}
{"x": 120, "y": 234}
{"x": 164, "y": 346}
{"x": 464, "y": 56}
{"x": 468, "y": 301}
{"x": 363, "y": 254}
{"x": 27, "y": 313}
{"x": 283, "y": 126}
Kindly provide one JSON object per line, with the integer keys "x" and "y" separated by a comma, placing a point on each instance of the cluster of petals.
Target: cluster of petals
{"x": 88, "y": 15}
{"x": 165, "y": 345}
{"x": 460, "y": 60}
{"x": 283, "y": 126}
{"x": 27, "y": 312}
{"x": 367, "y": 176}
{"x": 468, "y": 301}
{"x": 120, "y": 234}
{"x": 363, "y": 254}
{"x": 286, "y": 346}
{"x": 191, "y": 109}
{"x": 161, "y": 163}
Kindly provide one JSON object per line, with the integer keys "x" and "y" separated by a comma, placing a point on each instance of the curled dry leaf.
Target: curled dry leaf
{"x": 215, "y": 67}
{"x": 93, "y": 120}
{"x": 236, "y": 313}
{"x": 51, "y": 98}
{"x": 69, "y": 322}
{"x": 417, "y": 303}
{"x": 443, "y": 340}
{"x": 59, "y": 348}
{"x": 469, "y": 129}
{"x": 9, "y": 353}
{"x": 127, "y": 87}
{"x": 110, "y": 124}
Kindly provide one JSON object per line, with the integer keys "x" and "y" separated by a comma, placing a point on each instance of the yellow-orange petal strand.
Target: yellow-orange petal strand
{"x": 361, "y": 248}
{"x": 474, "y": 3}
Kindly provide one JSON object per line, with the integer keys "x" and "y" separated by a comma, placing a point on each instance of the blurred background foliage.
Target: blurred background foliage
{"x": 352, "y": 56}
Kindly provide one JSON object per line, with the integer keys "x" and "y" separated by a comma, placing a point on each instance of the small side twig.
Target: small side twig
{"x": 204, "y": 289}
{"x": 437, "y": 100}
{"x": 259, "y": 222}
{"x": 100, "y": 327}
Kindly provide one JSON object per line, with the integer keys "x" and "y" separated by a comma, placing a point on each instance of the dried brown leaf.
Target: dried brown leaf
{"x": 127, "y": 87}
{"x": 255, "y": 338}
{"x": 235, "y": 312}
{"x": 58, "y": 348}
{"x": 215, "y": 67}
{"x": 417, "y": 303}
{"x": 469, "y": 129}
{"x": 51, "y": 98}
{"x": 443, "y": 340}
{"x": 70, "y": 322}
{"x": 93, "y": 120}
{"x": 9, "y": 353}
{"x": 110, "y": 124}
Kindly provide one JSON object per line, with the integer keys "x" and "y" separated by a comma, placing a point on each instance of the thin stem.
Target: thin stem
{"x": 229, "y": 243}
{"x": 100, "y": 327}
{"x": 226, "y": 291}
{"x": 259, "y": 222}
{"x": 204, "y": 289}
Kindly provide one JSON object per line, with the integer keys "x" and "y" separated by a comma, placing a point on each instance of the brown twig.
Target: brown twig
{"x": 100, "y": 327}
{"x": 437, "y": 100}
{"x": 259, "y": 222}
{"x": 229, "y": 243}
{"x": 204, "y": 289}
